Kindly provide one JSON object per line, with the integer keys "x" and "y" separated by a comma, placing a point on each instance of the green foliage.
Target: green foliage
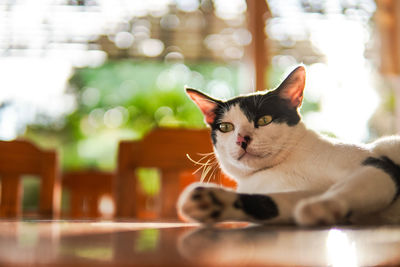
{"x": 30, "y": 199}
{"x": 309, "y": 106}
{"x": 150, "y": 181}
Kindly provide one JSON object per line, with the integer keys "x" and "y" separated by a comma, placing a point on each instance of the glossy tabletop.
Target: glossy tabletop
{"x": 85, "y": 243}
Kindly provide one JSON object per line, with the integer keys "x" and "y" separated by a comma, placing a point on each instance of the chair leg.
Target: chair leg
{"x": 50, "y": 188}
{"x": 77, "y": 208}
{"x": 93, "y": 206}
{"x": 11, "y": 196}
{"x": 125, "y": 192}
{"x": 169, "y": 194}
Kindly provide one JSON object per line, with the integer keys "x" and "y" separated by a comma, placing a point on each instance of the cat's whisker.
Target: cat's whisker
{"x": 199, "y": 168}
{"x": 207, "y": 168}
{"x": 205, "y": 172}
{"x": 209, "y": 176}
{"x": 206, "y": 154}
{"x": 214, "y": 172}
{"x": 203, "y": 166}
{"x": 210, "y": 156}
{"x": 197, "y": 162}
{"x": 212, "y": 167}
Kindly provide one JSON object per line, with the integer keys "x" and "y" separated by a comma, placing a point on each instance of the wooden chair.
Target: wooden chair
{"x": 165, "y": 149}
{"x": 19, "y": 158}
{"x": 87, "y": 189}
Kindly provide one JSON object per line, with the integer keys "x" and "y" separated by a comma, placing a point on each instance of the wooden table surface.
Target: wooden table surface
{"x": 85, "y": 243}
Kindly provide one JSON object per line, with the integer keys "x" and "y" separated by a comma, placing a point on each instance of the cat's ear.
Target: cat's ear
{"x": 292, "y": 87}
{"x": 206, "y": 103}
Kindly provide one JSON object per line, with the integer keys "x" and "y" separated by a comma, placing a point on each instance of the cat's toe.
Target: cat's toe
{"x": 315, "y": 211}
{"x": 202, "y": 204}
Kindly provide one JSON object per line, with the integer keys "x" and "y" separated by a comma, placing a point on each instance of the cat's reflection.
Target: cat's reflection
{"x": 291, "y": 246}
{"x": 255, "y": 245}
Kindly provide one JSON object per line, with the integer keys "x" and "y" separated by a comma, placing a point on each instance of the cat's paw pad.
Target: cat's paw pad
{"x": 318, "y": 211}
{"x": 207, "y": 204}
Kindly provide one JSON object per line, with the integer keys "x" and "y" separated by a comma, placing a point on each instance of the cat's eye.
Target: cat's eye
{"x": 264, "y": 120}
{"x": 225, "y": 127}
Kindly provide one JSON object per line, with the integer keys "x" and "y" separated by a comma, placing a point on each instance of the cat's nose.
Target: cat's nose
{"x": 243, "y": 141}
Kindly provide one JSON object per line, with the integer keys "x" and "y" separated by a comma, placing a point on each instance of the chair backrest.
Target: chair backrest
{"x": 19, "y": 158}
{"x": 88, "y": 190}
{"x": 165, "y": 149}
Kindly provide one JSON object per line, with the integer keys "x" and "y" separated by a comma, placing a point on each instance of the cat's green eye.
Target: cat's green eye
{"x": 225, "y": 127}
{"x": 264, "y": 120}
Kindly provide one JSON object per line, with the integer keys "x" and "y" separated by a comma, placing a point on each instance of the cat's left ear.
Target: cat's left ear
{"x": 206, "y": 103}
{"x": 292, "y": 87}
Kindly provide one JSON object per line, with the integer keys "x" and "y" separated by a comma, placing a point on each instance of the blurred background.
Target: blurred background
{"x": 81, "y": 75}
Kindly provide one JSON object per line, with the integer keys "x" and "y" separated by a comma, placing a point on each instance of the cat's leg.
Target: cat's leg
{"x": 370, "y": 189}
{"x": 209, "y": 204}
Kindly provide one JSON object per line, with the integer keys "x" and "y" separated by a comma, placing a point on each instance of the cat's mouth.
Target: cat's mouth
{"x": 247, "y": 153}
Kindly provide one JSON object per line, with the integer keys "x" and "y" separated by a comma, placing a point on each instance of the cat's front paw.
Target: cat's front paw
{"x": 207, "y": 204}
{"x": 317, "y": 211}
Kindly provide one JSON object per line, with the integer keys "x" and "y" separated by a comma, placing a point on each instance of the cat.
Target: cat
{"x": 287, "y": 173}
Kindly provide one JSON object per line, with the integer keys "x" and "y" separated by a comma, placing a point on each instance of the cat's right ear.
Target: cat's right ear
{"x": 206, "y": 103}
{"x": 292, "y": 87}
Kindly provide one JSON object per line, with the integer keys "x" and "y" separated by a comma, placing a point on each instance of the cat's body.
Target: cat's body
{"x": 287, "y": 173}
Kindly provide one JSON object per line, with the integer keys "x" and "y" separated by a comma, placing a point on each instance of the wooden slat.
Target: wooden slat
{"x": 388, "y": 21}
{"x": 125, "y": 185}
{"x": 93, "y": 206}
{"x": 11, "y": 196}
{"x": 169, "y": 192}
{"x": 257, "y": 10}
{"x": 50, "y": 186}
{"x": 77, "y": 205}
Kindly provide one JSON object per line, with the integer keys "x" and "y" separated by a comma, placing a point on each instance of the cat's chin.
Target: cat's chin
{"x": 253, "y": 161}
{"x": 248, "y": 156}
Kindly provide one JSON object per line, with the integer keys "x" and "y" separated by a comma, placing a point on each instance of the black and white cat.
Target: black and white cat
{"x": 287, "y": 173}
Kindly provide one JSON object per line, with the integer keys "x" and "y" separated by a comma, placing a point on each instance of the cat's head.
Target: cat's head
{"x": 254, "y": 131}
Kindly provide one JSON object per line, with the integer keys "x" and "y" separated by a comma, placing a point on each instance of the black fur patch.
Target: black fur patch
{"x": 215, "y": 200}
{"x": 216, "y": 214}
{"x": 255, "y": 106}
{"x": 196, "y": 196}
{"x": 260, "y": 207}
{"x": 237, "y": 204}
{"x": 388, "y": 166}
